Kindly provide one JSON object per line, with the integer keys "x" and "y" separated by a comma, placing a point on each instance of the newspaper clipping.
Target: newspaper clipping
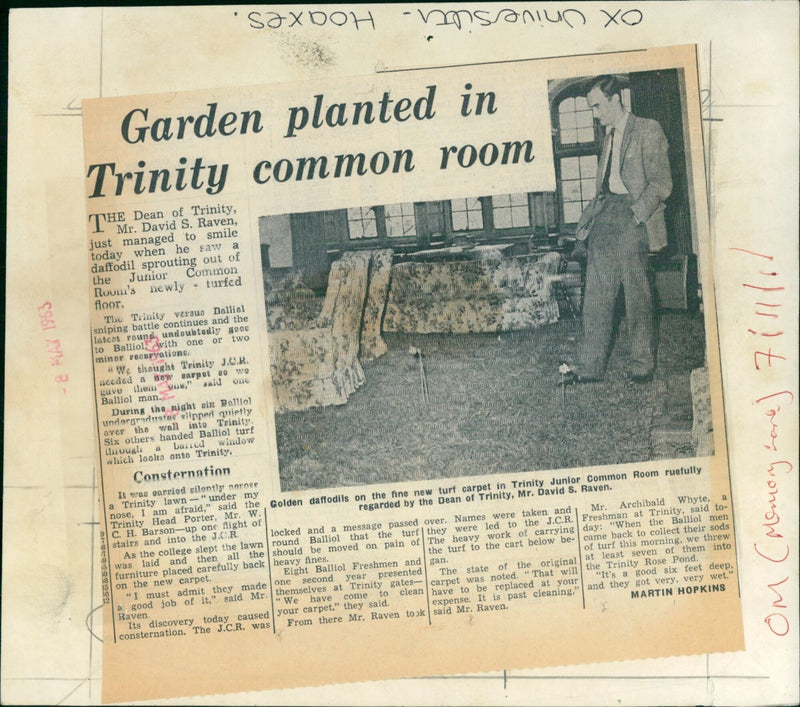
{"x": 408, "y": 374}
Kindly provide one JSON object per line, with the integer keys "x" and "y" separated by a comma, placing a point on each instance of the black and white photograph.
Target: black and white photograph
{"x": 502, "y": 332}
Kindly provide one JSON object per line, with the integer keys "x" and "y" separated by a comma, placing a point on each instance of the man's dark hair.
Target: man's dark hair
{"x": 608, "y": 84}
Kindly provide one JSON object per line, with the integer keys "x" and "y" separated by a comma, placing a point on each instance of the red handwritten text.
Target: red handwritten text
{"x": 47, "y": 322}
{"x": 772, "y": 547}
{"x": 163, "y": 380}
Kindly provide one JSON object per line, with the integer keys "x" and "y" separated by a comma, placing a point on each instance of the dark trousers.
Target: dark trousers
{"x": 617, "y": 256}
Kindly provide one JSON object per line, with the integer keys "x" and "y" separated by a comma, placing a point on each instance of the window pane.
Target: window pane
{"x": 588, "y": 188}
{"x": 584, "y": 119}
{"x": 475, "y": 220}
{"x": 567, "y": 120}
{"x": 400, "y": 220}
{"x": 581, "y": 103}
{"x": 361, "y": 223}
{"x": 510, "y": 210}
{"x": 502, "y": 218}
{"x": 585, "y": 135}
{"x": 519, "y": 216}
{"x": 568, "y": 137}
{"x": 460, "y": 221}
{"x": 569, "y": 168}
{"x": 467, "y": 214}
{"x": 572, "y": 211}
{"x": 588, "y": 165}
{"x": 394, "y": 228}
{"x": 567, "y": 105}
{"x": 571, "y": 189}
{"x": 363, "y": 229}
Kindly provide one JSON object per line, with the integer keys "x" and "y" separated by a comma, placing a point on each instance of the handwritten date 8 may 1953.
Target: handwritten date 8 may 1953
{"x": 47, "y": 322}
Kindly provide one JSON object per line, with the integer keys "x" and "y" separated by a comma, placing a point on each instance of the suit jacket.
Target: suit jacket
{"x": 645, "y": 172}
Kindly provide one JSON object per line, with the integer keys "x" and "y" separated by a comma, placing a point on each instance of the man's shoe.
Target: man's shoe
{"x": 639, "y": 378}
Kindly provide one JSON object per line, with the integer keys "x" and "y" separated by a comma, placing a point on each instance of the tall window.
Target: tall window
{"x": 466, "y": 214}
{"x": 578, "y": 143}
{"x": 400, "y": 220}
{"x": 510, "y": 211}
{"x": 361, "y": 222}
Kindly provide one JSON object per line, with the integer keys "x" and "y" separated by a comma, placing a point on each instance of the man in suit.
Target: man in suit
{"x": 622, "y": 224}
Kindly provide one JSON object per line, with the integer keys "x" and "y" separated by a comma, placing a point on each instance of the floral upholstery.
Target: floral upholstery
{"x": 318, "y": 365}
{"x": 462, "y": 297}
{"x": 290, "y": 304}
{"x": 294, "y": 313}
{"x": 372, "y": 343}
{"x": 314, "y": 344}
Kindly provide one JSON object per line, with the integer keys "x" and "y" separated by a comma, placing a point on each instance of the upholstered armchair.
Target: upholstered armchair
{"x": 317, "y": 364}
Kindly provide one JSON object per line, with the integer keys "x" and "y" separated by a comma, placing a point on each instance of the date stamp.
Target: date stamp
{"x": 47, "y": 322}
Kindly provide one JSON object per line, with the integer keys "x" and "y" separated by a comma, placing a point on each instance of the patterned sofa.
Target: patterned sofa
{"x": 488, "y": 295}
